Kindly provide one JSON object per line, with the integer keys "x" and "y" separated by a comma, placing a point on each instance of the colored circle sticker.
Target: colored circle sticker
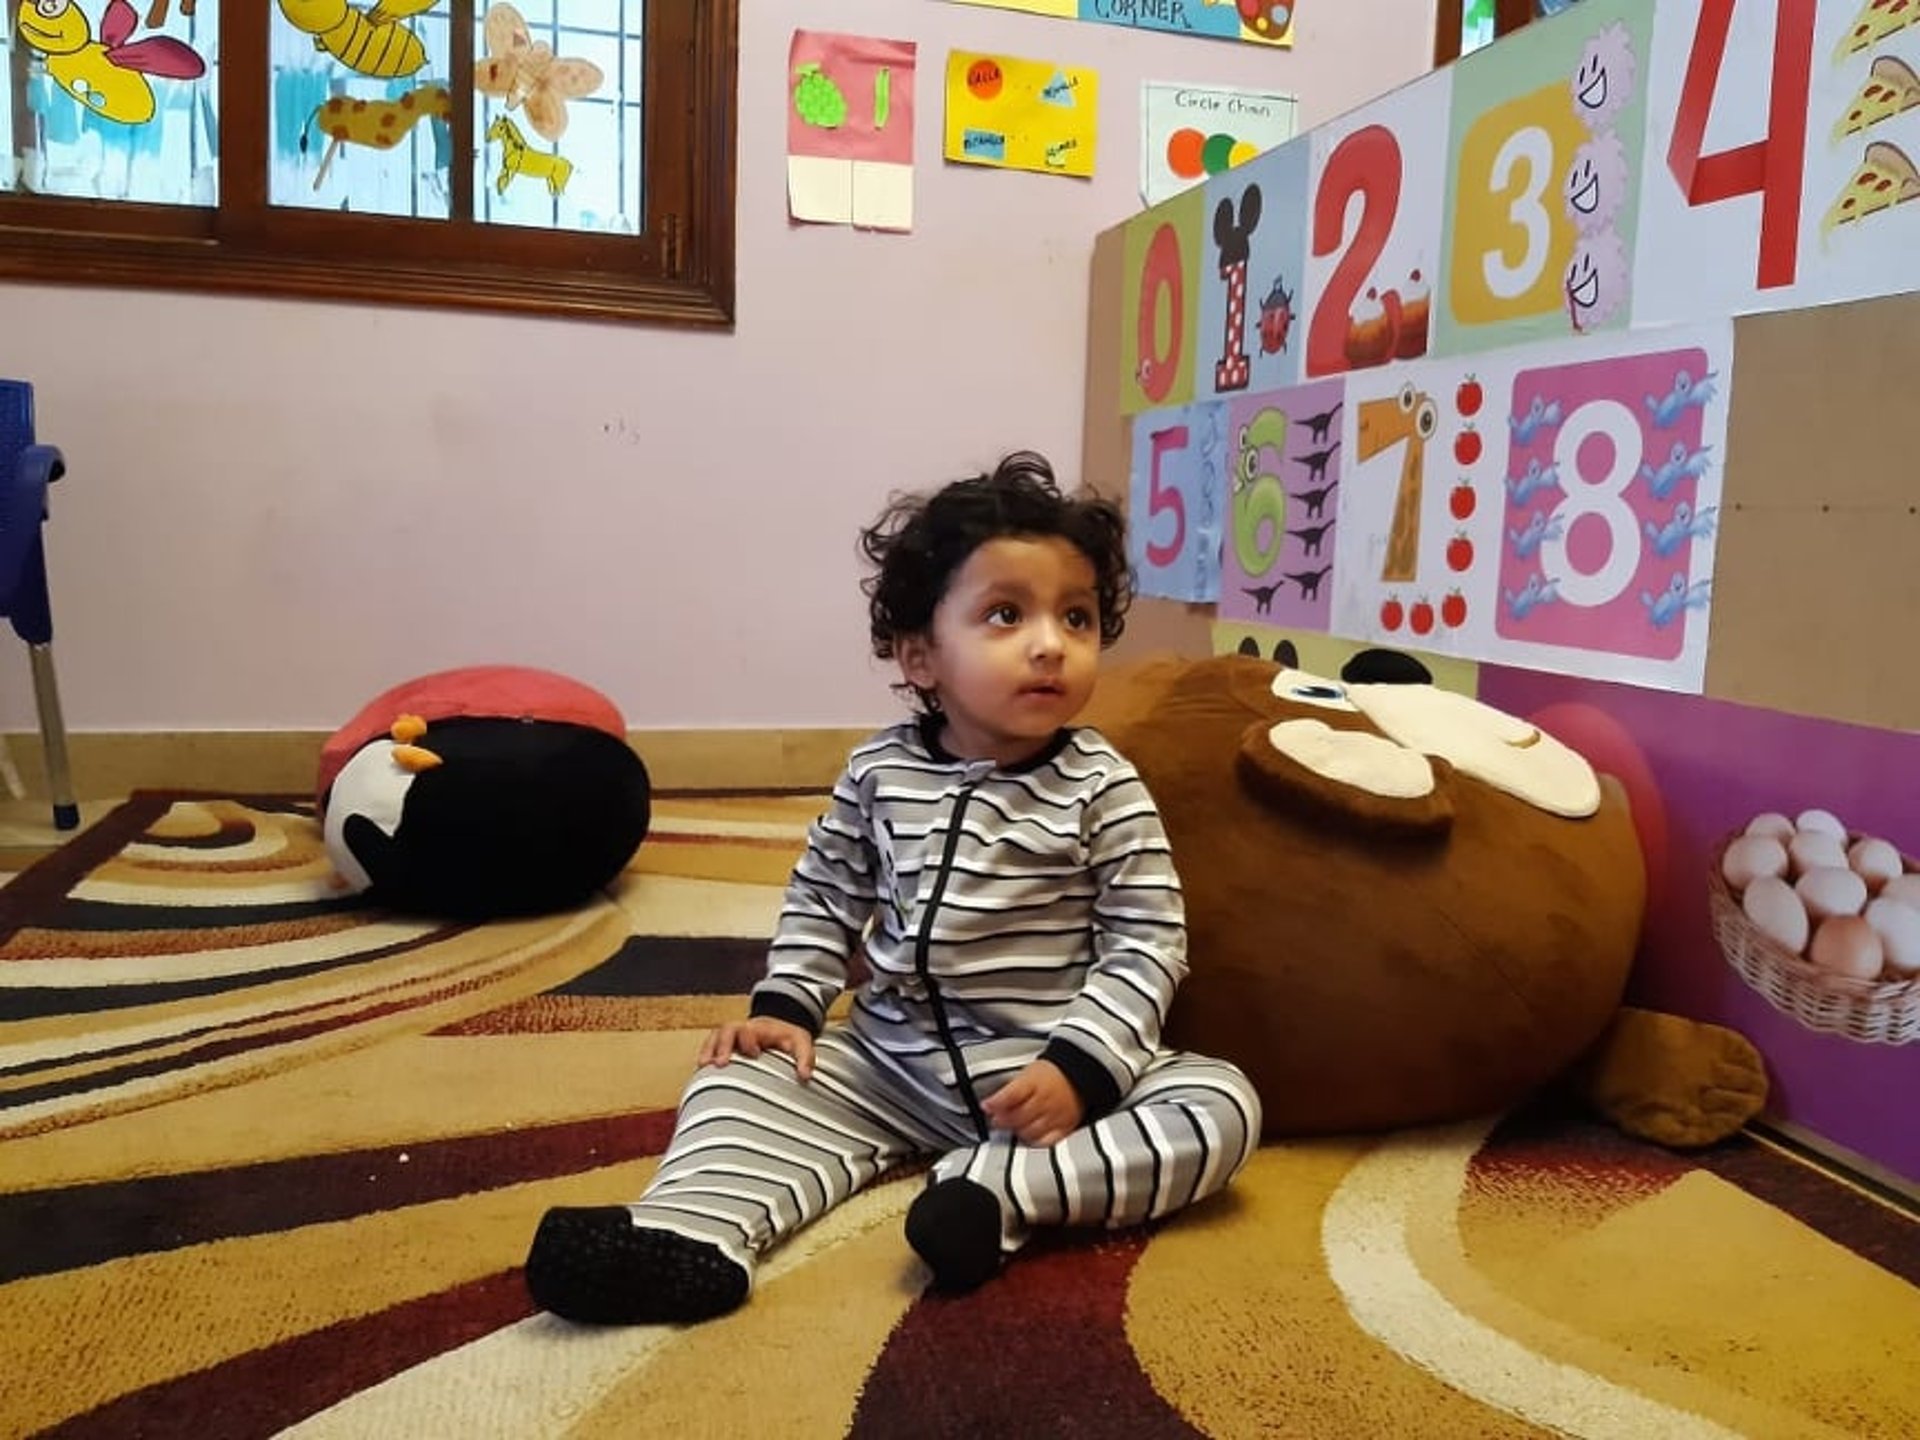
{"x": 1213, "y": 155}
{"x": 984, "y": 79}
{"x": 1184, "y": 153}
{"x": 1242, "y": 152}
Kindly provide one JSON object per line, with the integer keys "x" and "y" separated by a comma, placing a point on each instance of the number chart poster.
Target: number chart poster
{"x": 1253, "y": 252}
{"x": 1791, "y": 140}
{"x": 1159, "y": 306}
{"x": 1283, "y": 469}
{"x": 1552, "y": 506}
{"x": 1258, "y": 22}
{"x": 1548, "y": 130}
{"x": 1378, "y": 183}
{"x": 1177, "y": 495}
{"x": 1021, "y": 114}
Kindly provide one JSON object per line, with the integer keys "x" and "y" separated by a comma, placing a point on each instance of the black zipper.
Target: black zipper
{"x": 922, "y": 968}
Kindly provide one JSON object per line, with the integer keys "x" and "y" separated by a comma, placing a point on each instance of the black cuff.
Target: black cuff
{"x": 1096, "y": 1088}
{"x": 776, "y": 1006}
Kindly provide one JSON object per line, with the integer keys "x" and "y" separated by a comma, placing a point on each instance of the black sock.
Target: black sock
{"x": 955, "y": 1227}
{"x": 594, "y": 1264}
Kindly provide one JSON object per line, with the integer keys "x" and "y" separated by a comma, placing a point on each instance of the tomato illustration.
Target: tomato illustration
{"x": 1420, "y": 618}
{"x": 1391, "y": 614}
{"x": 1467, "y": 399}
{"x": 1453, "y": 610}
{"x": 1460, "y": 551}
{"x": 1462, "y": 501}
{"x": 1467, "y": 446}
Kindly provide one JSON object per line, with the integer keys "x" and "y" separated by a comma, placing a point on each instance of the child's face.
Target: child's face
{"x": 1014, "y": 648}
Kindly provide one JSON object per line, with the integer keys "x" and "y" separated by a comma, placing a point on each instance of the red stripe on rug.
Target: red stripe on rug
{"x": 1051, "y": 1332}
{"x": 46, "y": 1231}
{"x": 263, "y": 1392}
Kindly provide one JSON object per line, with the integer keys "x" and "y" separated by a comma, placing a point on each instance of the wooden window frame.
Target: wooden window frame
{"x": 1508, "y": 16}
{"x": 684, "y": 273}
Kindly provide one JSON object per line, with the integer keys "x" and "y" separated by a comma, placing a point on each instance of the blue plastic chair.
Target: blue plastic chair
{"x": 26, "y": 470}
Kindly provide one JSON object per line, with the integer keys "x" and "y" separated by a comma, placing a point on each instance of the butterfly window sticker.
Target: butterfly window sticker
{"x": 535, "y": 82}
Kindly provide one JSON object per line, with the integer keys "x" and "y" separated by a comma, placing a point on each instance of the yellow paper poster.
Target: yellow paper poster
{"x": 1021, "y": 114}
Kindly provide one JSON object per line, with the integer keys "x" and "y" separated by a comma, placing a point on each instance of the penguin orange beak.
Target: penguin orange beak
{"x": 414, "y": 758}
{"x": 407, "y": 729}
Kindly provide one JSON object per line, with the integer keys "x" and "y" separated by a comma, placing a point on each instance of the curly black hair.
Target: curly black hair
{"x": 919, "y": 541}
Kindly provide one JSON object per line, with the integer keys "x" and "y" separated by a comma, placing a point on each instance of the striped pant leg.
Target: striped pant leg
{"x": 1186, "y": 1129}
{"x": 756, "y": 1153}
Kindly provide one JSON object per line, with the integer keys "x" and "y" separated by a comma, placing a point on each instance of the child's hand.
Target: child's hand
{"x": 750, "y": 1037}
{"x": 1038, "y": 1105}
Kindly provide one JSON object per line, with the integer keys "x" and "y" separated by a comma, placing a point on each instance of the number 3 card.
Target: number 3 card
{"x": 1549, "y": 128}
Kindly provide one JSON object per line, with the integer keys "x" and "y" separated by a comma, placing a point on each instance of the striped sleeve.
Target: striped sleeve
{"x": 1139, "y": 946}
{"x": 824, "y": 915}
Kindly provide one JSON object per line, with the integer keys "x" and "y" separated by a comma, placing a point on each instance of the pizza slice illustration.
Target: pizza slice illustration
{"x": 1891, "y": 88}
{"x": 1876, "y": 21}
{"x": 1887, "y": 177}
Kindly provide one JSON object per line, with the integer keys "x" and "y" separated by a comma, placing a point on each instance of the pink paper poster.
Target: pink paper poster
{"x": 850, "y": 130}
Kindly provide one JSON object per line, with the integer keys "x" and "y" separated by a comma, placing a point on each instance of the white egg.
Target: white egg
{"x": 1831, "y": 891}
{"x": 1898, "y": 927}
{"x": 1771, "y": 823}
{"x": 1816, "y": 850}
{"x": 1847, "y": 945}
{"x": 1874, "y": 861}
{"x": 1904, "y": 888}
{"x": 1777, "y": 912}
{"x": 1820, "y": 822}
{"x": 1750, "y": 857}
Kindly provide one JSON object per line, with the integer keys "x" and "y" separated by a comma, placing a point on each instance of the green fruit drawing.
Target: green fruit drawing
{"x": 818, "y": 99}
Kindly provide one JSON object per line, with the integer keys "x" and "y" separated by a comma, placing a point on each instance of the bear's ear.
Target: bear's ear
{"x": 1354, "y": 779}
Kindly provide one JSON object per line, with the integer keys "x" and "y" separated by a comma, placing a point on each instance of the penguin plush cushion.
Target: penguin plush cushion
{"x": 484, "y": 792}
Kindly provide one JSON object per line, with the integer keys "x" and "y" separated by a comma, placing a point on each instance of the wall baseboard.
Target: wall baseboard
{"x": 110, "y": 764}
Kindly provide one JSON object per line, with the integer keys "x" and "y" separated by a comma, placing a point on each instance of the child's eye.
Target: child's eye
{"x": 1004, "y": 614}
{"x": 1080, "y": 618}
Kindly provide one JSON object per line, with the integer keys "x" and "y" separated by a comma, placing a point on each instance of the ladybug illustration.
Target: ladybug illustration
{"x": 1276, "y": 318}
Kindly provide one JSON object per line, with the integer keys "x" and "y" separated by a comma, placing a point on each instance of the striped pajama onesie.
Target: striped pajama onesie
{"x": 1003, "y": 915}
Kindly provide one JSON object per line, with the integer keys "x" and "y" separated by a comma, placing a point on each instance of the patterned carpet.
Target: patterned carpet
{"x": 269, "y": 1161}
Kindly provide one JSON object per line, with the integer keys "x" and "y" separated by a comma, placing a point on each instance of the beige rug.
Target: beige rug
{"x": 269, "y": 1161}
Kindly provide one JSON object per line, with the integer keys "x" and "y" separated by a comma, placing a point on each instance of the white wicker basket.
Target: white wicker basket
{"x": 1880, "y": 1012}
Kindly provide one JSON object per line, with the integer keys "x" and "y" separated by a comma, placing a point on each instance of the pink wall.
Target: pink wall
{"x": 275, "y": 510}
